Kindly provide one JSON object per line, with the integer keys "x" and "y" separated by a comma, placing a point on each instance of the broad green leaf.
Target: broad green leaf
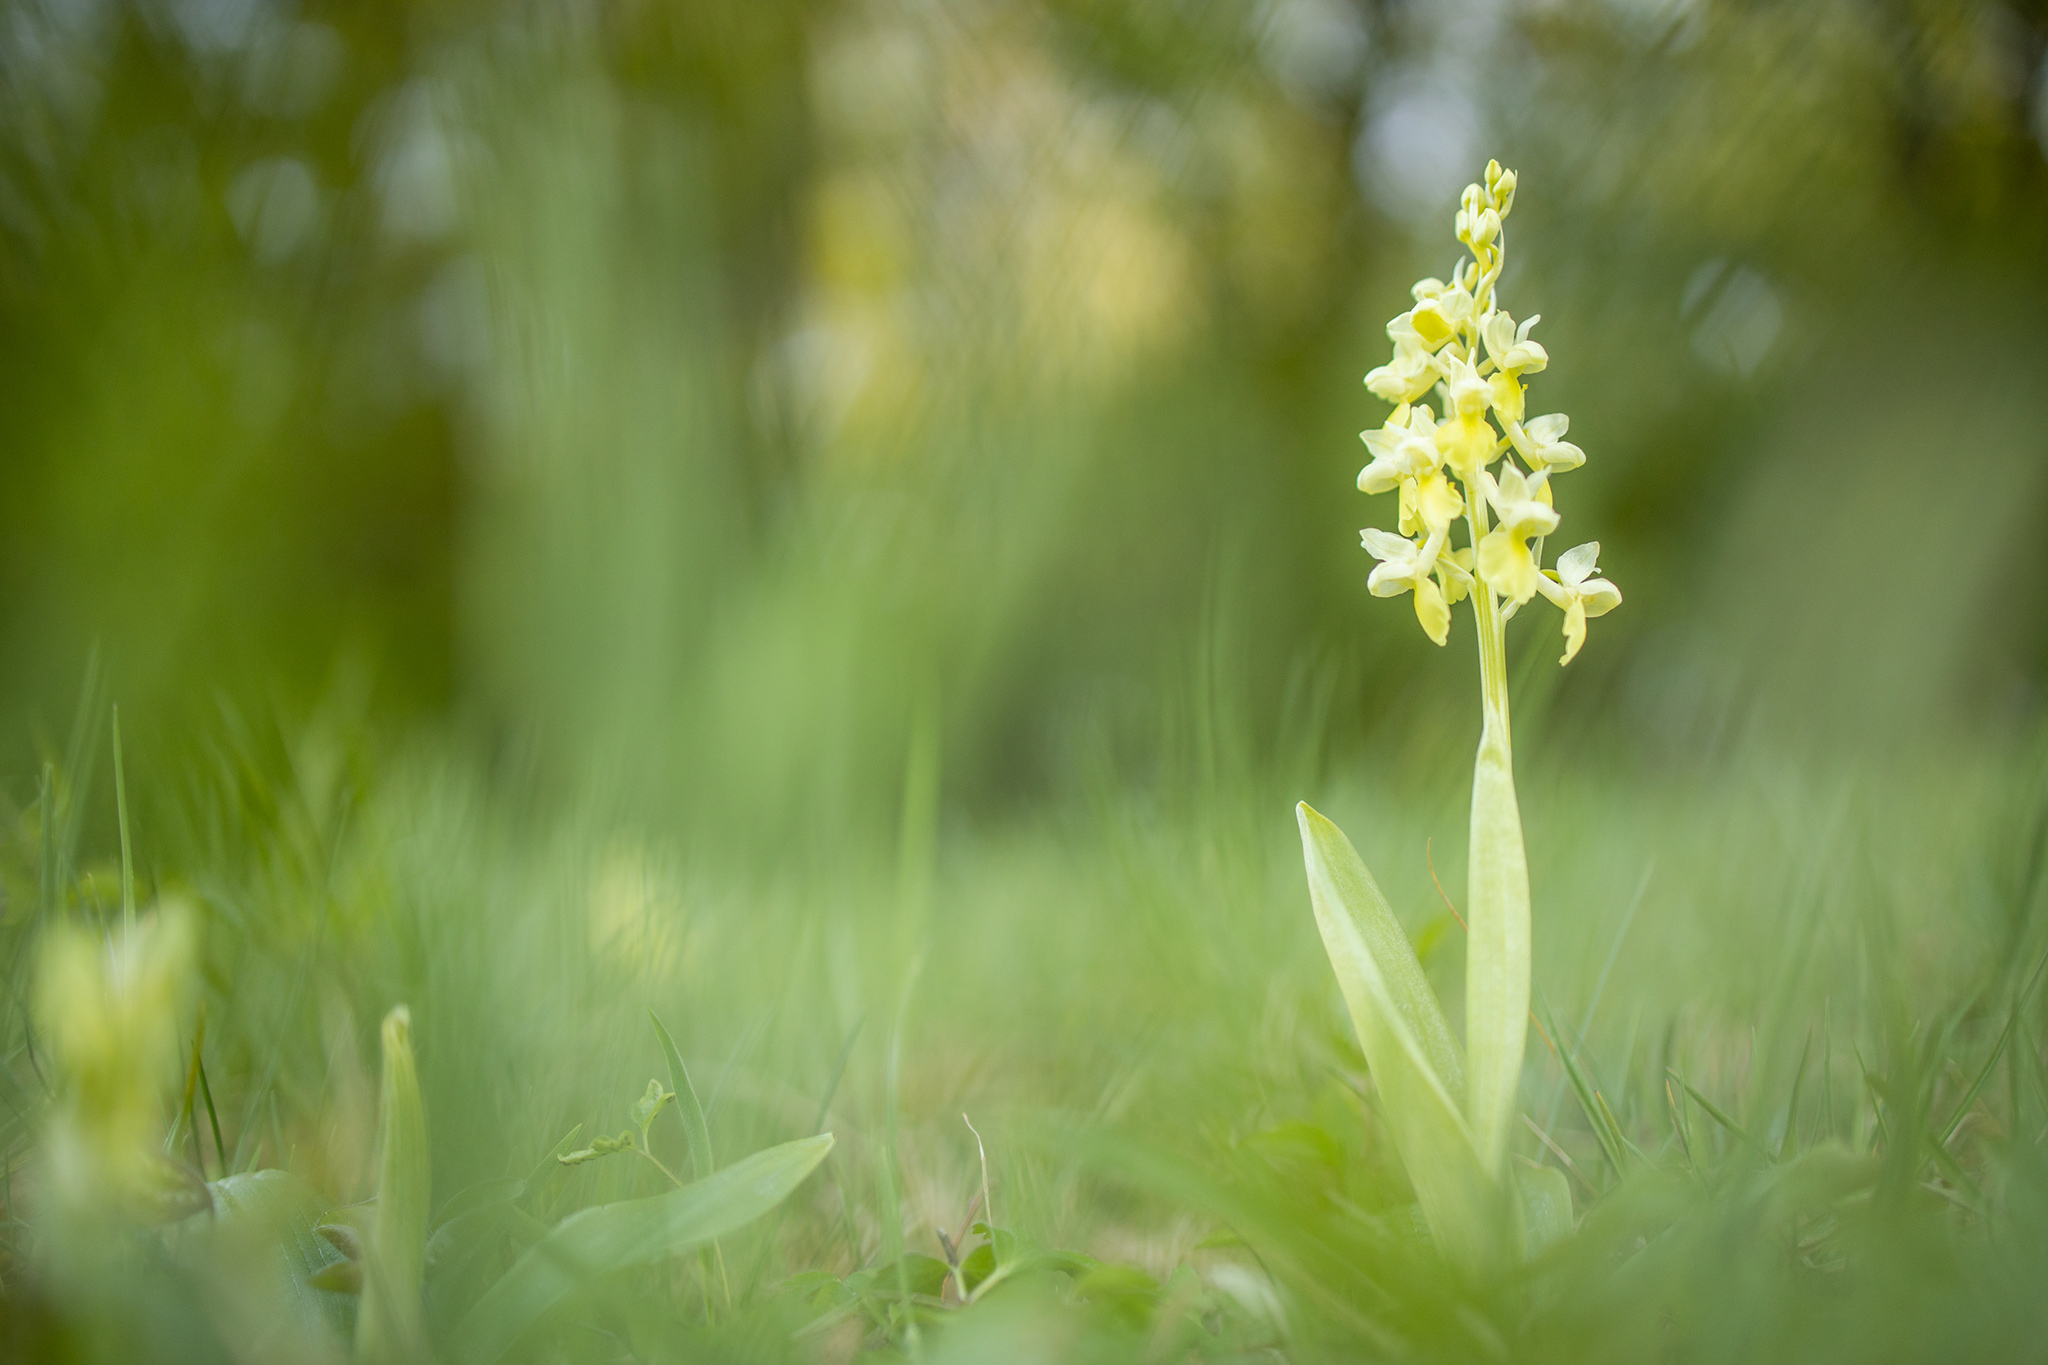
{"x": 1818, "y": 1179}
{"x": 915, "y": 1272}
{"x": 388, "y": 1326}
{"x": 612, "y": 1237}
{"x": 469, "y": 1251}
{"x": 687, "y": 1107}
{"x": 1496, "y": 951}
{"x": 1546, "y": 1206}
{"x": 1362, "y": 921}
{"x": 544, "y": 1173}
{"x": 259, "y": 1235}
{"x": 1406, "y": 1042}
{"x": 477, "y": 1196}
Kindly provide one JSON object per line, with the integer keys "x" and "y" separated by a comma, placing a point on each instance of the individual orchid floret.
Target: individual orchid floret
{"x": 1466, "y": 439}
{"x": 1543, "y": 445}
{"x": 1513, "y": 355}
{"x": 1509, "y": 346}
{"x": 1580, "y": 594}
{"x": 1478, "y": 222}
{"x": 1400, "y": 450}
{"x": 1504, "y": 559}
{"x": 1454, "y": 573}
{"x": 1411, "y": 373}
{"x": 1405, "y": 456}
{"x": 1409, "y": 566}
{"x": 1441, "y": 311}
{"x": 1430, "y": 504}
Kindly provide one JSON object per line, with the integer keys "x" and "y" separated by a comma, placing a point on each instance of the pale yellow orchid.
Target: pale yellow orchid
{"x": 1441, "y": 311}
{"x": 1412, "y": 372}
{"x": 1478, "y": 222}
{"x": 1457, "y": 339}
{"x": 1466, "y": 439}
{"x": 1453, "y": 1115}
{"x": 1400, "y": 450}
{"x": 1405, "y": 456}
{"x": 109, "y": 1009}
{"x": 1504, "y": 559}
{"x": 1409, "y": 566}
{"x": 1513, "y": 355}
{"x": 1579, "y": 594}
{"x": 1543, "y": 445}
{"x": 1430, "y": 503}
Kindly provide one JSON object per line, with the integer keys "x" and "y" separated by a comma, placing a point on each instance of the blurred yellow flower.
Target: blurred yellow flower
{"x": 109, "y": 1013}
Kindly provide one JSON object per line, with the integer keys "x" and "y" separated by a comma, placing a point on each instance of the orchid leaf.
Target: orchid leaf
{"x": 1406, "y": 1042}
{"x": 1496, "y": 953}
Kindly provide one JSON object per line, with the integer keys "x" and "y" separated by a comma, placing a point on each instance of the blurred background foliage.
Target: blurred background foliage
{"x": 680, "y": 400}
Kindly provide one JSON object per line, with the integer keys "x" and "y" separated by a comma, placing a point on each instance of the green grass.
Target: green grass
{"x": 1800, "y": 1007}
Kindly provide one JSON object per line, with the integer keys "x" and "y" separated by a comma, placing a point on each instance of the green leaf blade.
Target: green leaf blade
{"x": 611, "y": 1237}
{"x": 687, "y": 1107}
{"x": 1546, "y": 1200}
{"x": 1497, "y": 952}
{"x": 390, "y": 1324}
{"x": 1355, "y": 919}
{"x": 1406, "y": 1041}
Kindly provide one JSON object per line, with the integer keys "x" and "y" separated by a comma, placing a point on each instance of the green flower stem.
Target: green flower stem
{"x": 1493, "y": 629}
{"x": 642, "y": 1150}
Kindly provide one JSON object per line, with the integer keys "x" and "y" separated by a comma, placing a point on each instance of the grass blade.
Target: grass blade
{"x": 121, "y": 815}
{"x": 2012, "y": 1020}
{"x": 1788, "y": 1146}
{"x": 687, "y": 1107}
{"x": 633, "y": 1232}
{"x": 1714, "y": 1112}
{"x": 1590, "y": 1103}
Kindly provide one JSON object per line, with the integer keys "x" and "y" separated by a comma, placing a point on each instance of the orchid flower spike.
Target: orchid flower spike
{"x": 1485, "y": 462}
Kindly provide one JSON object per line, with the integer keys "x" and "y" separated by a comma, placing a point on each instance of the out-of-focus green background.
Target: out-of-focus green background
{"x": 681, "y": 399}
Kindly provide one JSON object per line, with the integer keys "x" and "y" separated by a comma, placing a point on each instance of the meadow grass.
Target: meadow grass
{"x": 1800, "y": 1004}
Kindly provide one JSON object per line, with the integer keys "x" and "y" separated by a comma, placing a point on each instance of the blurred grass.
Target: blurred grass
{"x": 1144, "y": 969}
{"x": 832, "y": 523}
